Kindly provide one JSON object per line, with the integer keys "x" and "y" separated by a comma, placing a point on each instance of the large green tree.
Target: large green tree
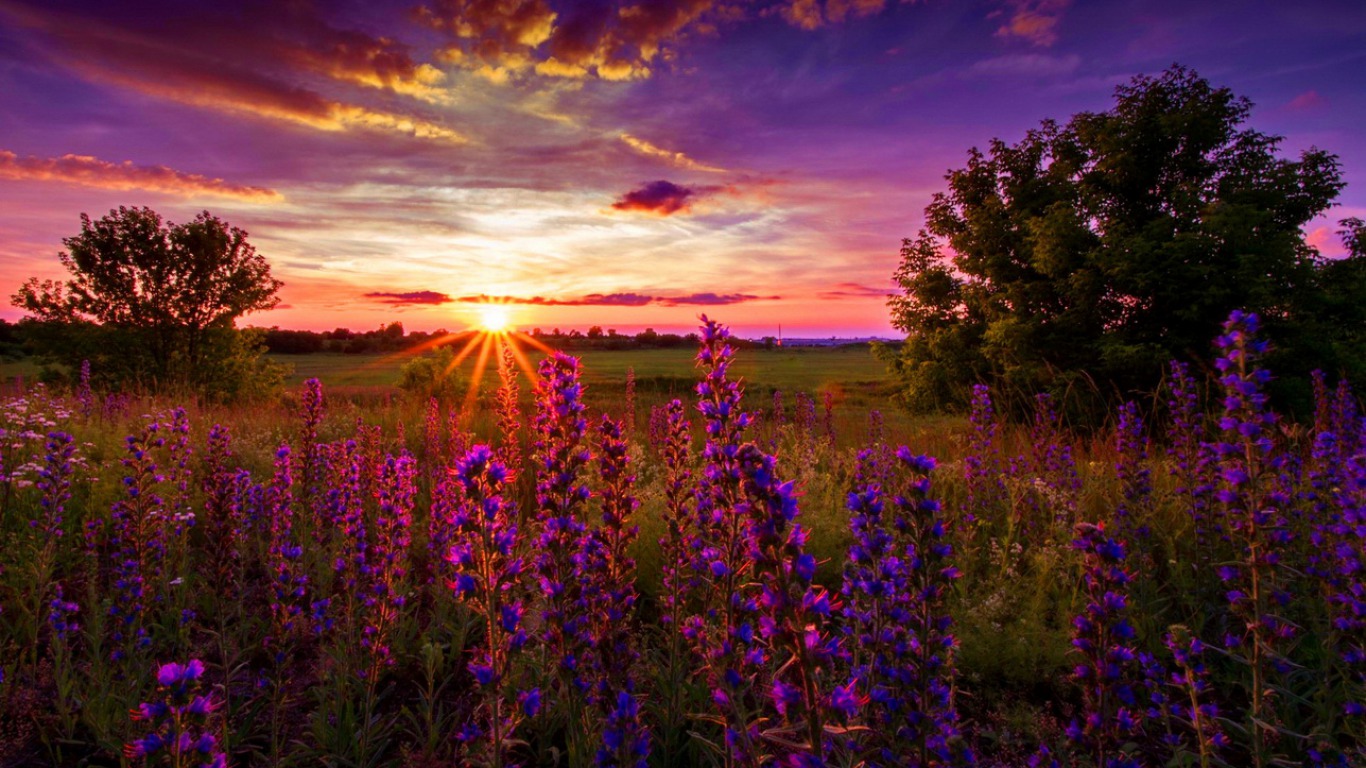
{"x": 1093, "y": 251}
{"x": 153, "y": 303}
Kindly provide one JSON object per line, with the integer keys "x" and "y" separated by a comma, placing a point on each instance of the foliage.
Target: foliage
{"x": 433, "y": 375}
{"x": 1092, "y": 252}
{"x": 152, "y": 303}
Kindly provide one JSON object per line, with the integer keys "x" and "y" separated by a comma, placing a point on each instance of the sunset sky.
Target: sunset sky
{"x": 625, "y": 164}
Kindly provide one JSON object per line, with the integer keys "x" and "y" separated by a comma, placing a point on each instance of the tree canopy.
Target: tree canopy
{"x": 153, "y": 301}
{"x": 1101, "y": 248}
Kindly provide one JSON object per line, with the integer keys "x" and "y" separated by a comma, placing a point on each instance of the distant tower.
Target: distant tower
{"x": 780, "y": 334}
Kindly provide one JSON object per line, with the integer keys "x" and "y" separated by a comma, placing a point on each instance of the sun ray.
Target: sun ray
{"x": 532, "y": 340}
{"x": 470, "y": 347}
{"x": 523, "y": 361}
{"x": 477, "y": 378}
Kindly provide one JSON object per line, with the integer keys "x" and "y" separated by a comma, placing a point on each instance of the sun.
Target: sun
{"x": 495, "y": 318}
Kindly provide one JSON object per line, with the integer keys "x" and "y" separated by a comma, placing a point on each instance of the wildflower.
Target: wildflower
{"x": 897, "y": 577}
{"x": 560, "y": 495}
{"x": 1135, "y": 479}
{"x": 224, "y": 495}
{"x": 59, "y": 615}
{"x": 486, "y": 556}
{"x": 1192, "y": 463}
{"x": 385, "y": 586}
{"x": 1191, "y": 705}
{"x": 794, "y": 611}
{"x": 509, "y": 411}
{"x": 287, "y": 575}
{"x": 606, "y": 575}
{"x": 84, "y": 395}
{"x": 1103, "y": 637}
{"x": 723, "y": 628}
{"x": 1253, "y": 504}
{"x": 982, "y": 465}
{"x": 137, "y": 542}
{"x": 179, "y": 721}
{"x": 311, "y": 473}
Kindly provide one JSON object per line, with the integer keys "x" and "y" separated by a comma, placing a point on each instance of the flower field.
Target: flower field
{"x": 709, "y": 582}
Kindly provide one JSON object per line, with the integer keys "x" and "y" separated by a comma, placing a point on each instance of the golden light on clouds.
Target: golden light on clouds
{"x": 88, "y": 171}
{"x": 676, "y": 158}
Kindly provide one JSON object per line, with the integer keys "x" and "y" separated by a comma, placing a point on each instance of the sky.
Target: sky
{"x": 625, "y": 164}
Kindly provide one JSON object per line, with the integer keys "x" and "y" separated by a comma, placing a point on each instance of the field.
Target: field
{"x": 547, "y": 574}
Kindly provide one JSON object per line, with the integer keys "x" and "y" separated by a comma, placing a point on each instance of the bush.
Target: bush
{"x": 433, "y": 375}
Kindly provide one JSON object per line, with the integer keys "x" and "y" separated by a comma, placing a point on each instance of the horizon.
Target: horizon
{"x": 626, "y": 169}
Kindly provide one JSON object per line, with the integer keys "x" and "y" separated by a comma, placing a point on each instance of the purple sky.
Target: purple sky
{"x": 622, "y": 164}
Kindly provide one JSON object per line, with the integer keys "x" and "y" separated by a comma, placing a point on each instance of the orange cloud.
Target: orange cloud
{"x": 622, "y": 41}
{"x": 676, "y": 158}
{"x": 1035, "y": 21}
{"x": 813, "y": 14}
{"x": 93, "y": 172}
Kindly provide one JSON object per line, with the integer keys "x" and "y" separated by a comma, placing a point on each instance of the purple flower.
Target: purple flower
{"x": 178, "y": 721}
{"x": 896, "y": 583}
{"x": 1103, "y": 638}
{"x": 486, "y": 558}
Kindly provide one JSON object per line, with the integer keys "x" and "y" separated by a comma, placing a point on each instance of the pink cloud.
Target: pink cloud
{"x": 1308, "y": 100}
{"x": 93, "y": 172}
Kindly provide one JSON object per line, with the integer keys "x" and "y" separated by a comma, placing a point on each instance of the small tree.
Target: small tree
{"x": 1099, "y": 249}
{"x": 433, "y": 375}
{"x": 154, "y": 302}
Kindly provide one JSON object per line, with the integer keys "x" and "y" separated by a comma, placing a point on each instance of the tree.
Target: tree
{"x": 154, "y": 301}
{"x": 1099, "y": 249}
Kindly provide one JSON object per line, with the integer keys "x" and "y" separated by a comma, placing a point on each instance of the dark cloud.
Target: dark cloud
{"x": 619, "y": 300}
{"x": 661, "y": 197}
{"x": 853, "y": 291}
{"x": 708, "y": 299}
{"x": 411, "y": 297}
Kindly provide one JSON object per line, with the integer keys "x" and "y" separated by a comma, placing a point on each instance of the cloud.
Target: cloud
{"x": 708, "y": 299}
{"x": 190, "y": 64}
{"x": 93, "y": 172}
{"x": 1035, "y": 21}
{"x": 662, "y": 197}
{"x": 411, "y": 297}
{"x": 1030, "y": 65}
{"x": 608, "y": 39}
{"x": 812, "y": 14}
{"x": 853, "y": 291}
{"x": 620, "y": 300}
{"x": 675, "y": 158}
{"x": 1309, "y": 100}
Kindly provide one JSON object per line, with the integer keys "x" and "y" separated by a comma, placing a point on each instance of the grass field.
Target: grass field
{"x": 352, "y": 494}
{"x": 856, "y": 381}
{"x": 807, "y": 369}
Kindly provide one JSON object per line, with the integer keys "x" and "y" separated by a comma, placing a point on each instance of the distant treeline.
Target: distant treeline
{"x": 11, "y": 340}
{"x": 393, "y": 338}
